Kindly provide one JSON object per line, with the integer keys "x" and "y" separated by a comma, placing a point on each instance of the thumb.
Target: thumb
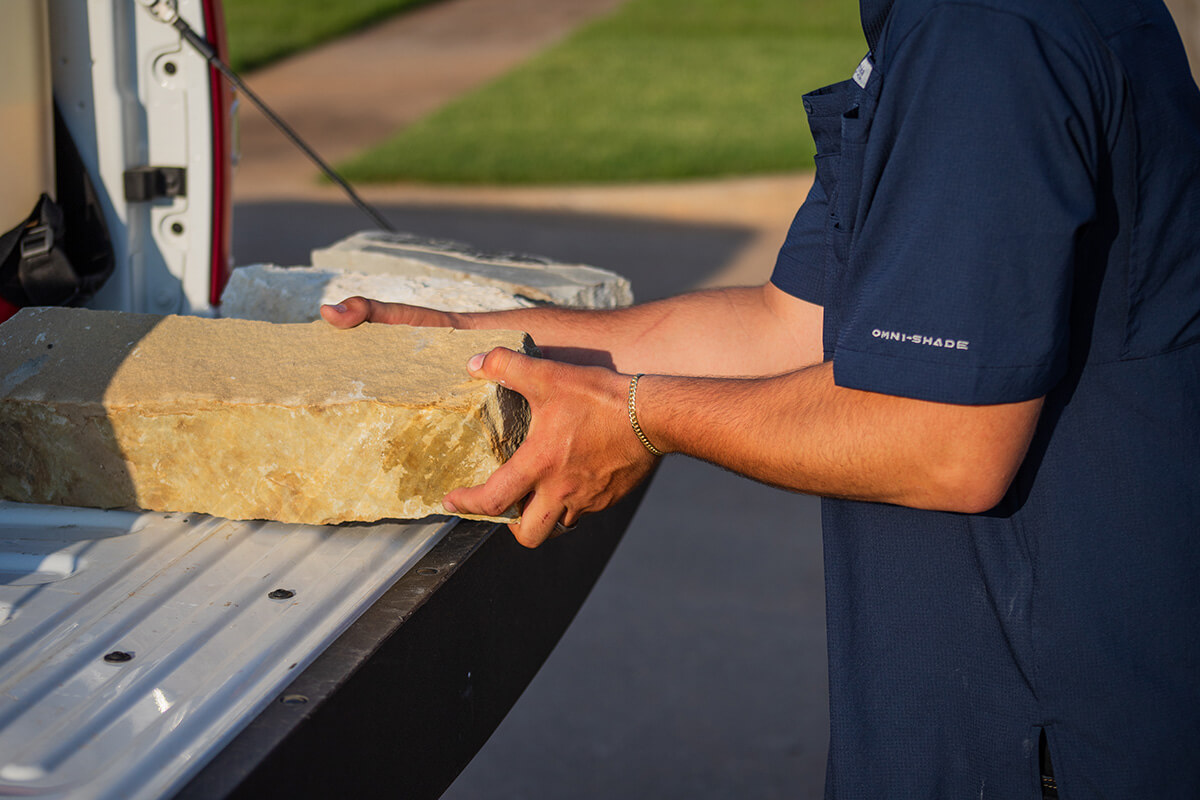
{"x": 523, "y": 374}
{"x": 346, "y": 314}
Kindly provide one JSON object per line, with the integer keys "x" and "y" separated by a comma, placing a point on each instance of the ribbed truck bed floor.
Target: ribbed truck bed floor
{"x": 134, "y": 646}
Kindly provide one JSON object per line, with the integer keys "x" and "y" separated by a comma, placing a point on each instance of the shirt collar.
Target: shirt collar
{"x": 874, "y": 14}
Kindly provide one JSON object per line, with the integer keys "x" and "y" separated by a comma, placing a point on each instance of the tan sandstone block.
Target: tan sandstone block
{"x": 248, "y": 420}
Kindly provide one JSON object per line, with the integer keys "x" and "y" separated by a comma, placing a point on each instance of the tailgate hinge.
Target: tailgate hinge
{"x": 144, "y": 184}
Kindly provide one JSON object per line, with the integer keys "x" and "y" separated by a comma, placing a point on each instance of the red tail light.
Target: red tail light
{"x": 7, "y": 309}
{"x": 222, "y": 156}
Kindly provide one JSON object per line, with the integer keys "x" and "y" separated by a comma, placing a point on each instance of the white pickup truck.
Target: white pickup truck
{"x": 150, "y": 655}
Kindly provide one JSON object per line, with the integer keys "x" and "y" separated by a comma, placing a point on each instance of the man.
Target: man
{"x": 982, "y": 343}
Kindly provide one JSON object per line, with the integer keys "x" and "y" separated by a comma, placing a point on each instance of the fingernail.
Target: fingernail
{"x": 339, "y": 308}
{"x": 476, "y": 362}
{"x": 446, "y": 504}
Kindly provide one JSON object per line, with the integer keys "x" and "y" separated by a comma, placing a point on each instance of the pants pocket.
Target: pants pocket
{"x": 1046, "y": 769}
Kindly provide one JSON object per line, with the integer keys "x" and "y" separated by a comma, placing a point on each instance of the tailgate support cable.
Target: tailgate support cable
{"x": 166, "y": 11}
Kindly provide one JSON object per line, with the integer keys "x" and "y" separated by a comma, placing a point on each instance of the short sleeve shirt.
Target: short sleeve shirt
{"x": 1007, "y": 206}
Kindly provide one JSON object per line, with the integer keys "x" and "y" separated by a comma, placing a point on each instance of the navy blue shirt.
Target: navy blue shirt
{"x": 1007, "y": 206}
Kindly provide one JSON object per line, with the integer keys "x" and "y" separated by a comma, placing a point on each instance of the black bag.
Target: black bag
{"x": 61, "y": 254}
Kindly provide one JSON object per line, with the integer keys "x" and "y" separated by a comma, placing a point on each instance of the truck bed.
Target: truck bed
{"x": 132, "y": 645}
{"x": 148, "y": 655}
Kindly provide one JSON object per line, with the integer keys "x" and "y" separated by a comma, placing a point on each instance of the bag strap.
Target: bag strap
{"x": 45, "y": 272}
{"x": 34, "y": 270}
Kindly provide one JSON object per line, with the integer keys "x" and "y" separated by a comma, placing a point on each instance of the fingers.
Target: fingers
{"x": 519, "y": 476}
{"x": 356, "y": 310}
{"x": 537, "y": 521}
{"x": 533, "y": 378}
{"x": 507, "y": 486}
{"x": 350, "y": 312}
{"x": 514, "y": 479}
{"x": 522, "y": 477}
{"x": 578, "y": 457}
{"x": 543, "y": 517}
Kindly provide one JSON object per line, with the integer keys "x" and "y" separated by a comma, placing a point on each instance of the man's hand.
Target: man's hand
{"x": 580, "y": 455}
{"x": 357, "y": 310}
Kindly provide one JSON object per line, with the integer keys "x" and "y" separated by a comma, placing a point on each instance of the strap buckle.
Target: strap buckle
{"x": 36, "y": 242}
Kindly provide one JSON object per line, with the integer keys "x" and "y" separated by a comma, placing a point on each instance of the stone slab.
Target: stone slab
{"x": 538, "y": 279}
{"x": 294, "y": 294}
{"x": 248, "y": 420}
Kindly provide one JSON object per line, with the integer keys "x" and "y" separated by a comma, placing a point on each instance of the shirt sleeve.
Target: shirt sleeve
{"x": 977, "y": 179}
{"x": 799, "y": 267}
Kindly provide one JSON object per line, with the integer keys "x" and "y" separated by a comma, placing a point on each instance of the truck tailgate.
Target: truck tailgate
{"x": 133, "y": 646}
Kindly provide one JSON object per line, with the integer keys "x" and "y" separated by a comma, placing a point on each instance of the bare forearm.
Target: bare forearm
{"x": 802, "y": 432}
{"x": 796, "y": 430}
{"x": 715, "y": 332}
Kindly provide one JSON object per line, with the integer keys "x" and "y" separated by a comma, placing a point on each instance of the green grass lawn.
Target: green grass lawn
{"x": 261, "y": 31}
{"x": 661, "y": 90}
